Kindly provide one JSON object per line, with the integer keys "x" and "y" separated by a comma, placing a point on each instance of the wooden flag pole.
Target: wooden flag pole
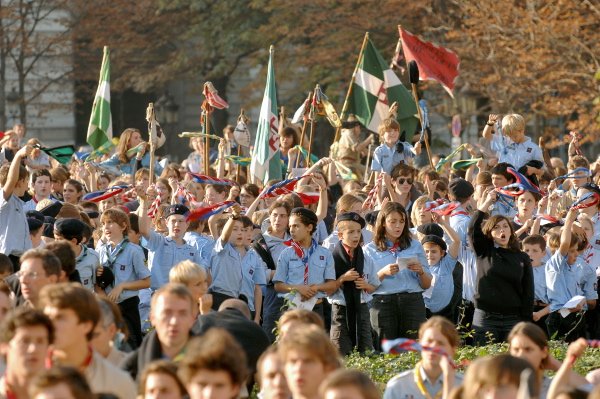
{"x": 206, "y": 141}
{"x": 151, "y": 118}
{"x": 313, "y": 117}
{"x": 303, "y": 132}
{"x": 366, "y": 177}
{"x": 349, "y": 92}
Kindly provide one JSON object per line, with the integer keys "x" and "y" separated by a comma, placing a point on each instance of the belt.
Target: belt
{"x": 539, "y": 303}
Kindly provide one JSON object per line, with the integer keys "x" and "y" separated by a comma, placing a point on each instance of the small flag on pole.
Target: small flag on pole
{"x": 100, "y": 127}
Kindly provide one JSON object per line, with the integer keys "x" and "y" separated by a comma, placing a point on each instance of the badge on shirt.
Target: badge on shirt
{"x": 251, "y": 271}
{"x": 597, "y": 242}
{"x": 86, "y": 281}
{"x": 321, "y": 257}
{"x": 529, "y": 149}
{"x": 122, "y": 268}
{"x": 191, "y": 254}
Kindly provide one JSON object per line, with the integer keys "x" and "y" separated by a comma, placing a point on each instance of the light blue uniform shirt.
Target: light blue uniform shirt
{"x": 587, "y": 280}
{"x": 385, "y": 158}
{"x": 438, "y": 296}
{"x": 562, "y": 281}
{"x": 253, "y": 271}
{"x": 369, "y": 274}
{"x": 163, "y": 254}
{"x": 14, "y": 230}
{"x": 539, "y": 283}
{"x": 276, "y": 245}
{"x": 87, "y": 263}
{"x": 290, "y": 268}
{"x": 127, "y": 168}
{"x": 226, "y": 269}
{"x": 466, "y": 256}
{"x": 203, "y": 244}
{"x": 404, "y": 280}
{"x": 516, "y": 154}
{"x": 129, "y": 266}
{"x": 331, "y": 241}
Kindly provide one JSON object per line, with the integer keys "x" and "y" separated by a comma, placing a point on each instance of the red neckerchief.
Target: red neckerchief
{"x": 84, "y": 365}
{"x": 9, "y": 393}
{"x": 304, "y": 256}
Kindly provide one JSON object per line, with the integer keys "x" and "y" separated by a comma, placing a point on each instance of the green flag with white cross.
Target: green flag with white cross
{"x": 100, "y": 128}
{"x": 375, "y": 88}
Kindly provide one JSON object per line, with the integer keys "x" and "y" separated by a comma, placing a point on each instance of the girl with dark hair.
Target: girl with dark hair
{"x": 397, "y": 308}
{"x": 504, "y": 290}
{"x": 72, "y": 191}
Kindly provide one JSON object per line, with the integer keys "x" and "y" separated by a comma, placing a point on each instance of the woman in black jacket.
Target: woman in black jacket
{"x": 504, "y": 285}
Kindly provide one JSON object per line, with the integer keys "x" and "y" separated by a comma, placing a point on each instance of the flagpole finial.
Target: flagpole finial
{"x": 367, "y": 34}
{"x": 271, "y": 48}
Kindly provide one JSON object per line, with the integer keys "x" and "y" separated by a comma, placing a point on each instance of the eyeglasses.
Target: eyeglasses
{"x": 30, "y": 276}
{"x": 403, "y": 180}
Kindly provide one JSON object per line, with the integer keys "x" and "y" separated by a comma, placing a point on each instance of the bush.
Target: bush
{"x": 382, "y": 368}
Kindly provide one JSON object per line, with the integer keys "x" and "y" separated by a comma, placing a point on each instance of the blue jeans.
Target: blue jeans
{"x": 492, "y": 326}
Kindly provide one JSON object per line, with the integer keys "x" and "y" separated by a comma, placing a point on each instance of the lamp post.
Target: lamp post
{"x": 167, "y": 113}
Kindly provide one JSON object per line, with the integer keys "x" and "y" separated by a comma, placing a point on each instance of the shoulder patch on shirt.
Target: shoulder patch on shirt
{"x": 122, "y": 268}
{"x": 529, "y": 149}
{"x": 597, "y": 242}
{"x": 321, "y": 257}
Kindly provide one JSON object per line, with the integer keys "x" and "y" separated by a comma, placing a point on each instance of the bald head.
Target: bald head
{"x": 237, "y": 304}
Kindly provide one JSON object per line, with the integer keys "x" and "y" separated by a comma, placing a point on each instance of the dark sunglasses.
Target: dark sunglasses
{"x": 402, "y": 180}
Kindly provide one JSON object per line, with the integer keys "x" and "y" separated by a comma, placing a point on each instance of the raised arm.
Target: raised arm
{"x": 488, "y": 130}
{"x": 13, "y": 172}
{"x": 481, "y": 243}
{"x": 455, "y": 245}
{"x": 143, "y": 218}
{"x": 323, "y": 200}
{"x": 565, "y": 235}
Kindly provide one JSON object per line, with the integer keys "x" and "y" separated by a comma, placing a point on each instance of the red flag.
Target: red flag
{"x": 212, "y": 96}
{"x": 435, "y": 62}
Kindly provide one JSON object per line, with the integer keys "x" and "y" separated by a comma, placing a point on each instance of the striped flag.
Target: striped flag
{"x": 266, "y": 160}
{"x": 375, "y": 87}
{"x": 100, "y": 128}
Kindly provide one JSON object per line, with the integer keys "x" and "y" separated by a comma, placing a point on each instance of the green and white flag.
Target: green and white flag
{"x": 375, "y": 88}
{"x": 266, "y": 159}
{"x": 100, "y": 128}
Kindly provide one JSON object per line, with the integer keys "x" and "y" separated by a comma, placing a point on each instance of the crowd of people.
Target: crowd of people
{"x": 210, "y": 284}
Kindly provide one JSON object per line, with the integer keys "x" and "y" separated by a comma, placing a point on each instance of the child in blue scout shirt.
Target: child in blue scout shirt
{"x": 254, "y": 273}
{"x": 397, "y": 308}
{"x": 201, "y": 242}
{"x": 126, "y": 261}
{"x": 356, "y": 280}
{"x": 562, "y": 281}
{"x": 165, "y": 252}
{"x": 535, "y": 247}
{"x": 231, "y": 265}
{"x": 305, "y": 267}
{"x": 442, "y": 261}
{"x": 14, "y": 232}
{"x": 392, "y": 151}
{"x": 87, "y": 260}
{"x": 512, "y": 146}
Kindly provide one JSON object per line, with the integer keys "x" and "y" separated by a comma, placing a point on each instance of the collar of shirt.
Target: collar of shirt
{"x": 349, "y": 251}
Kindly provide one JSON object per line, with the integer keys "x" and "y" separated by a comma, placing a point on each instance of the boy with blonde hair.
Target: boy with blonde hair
{"x": 512, "y": 146}
{"x": 196, "y": 279}
{"x": 392, "y": 151}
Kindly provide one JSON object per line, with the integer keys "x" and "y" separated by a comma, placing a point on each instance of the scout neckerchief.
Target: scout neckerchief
{"x": 421, "y": 385}
{"x": 459, "y": 211}
{"x": 394, "y": 248}
{"x": 50, "y": 362}
{"x": 113, "y": 254}
{"x": 344, "y": 261}
{"x": 303, "y": 255}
